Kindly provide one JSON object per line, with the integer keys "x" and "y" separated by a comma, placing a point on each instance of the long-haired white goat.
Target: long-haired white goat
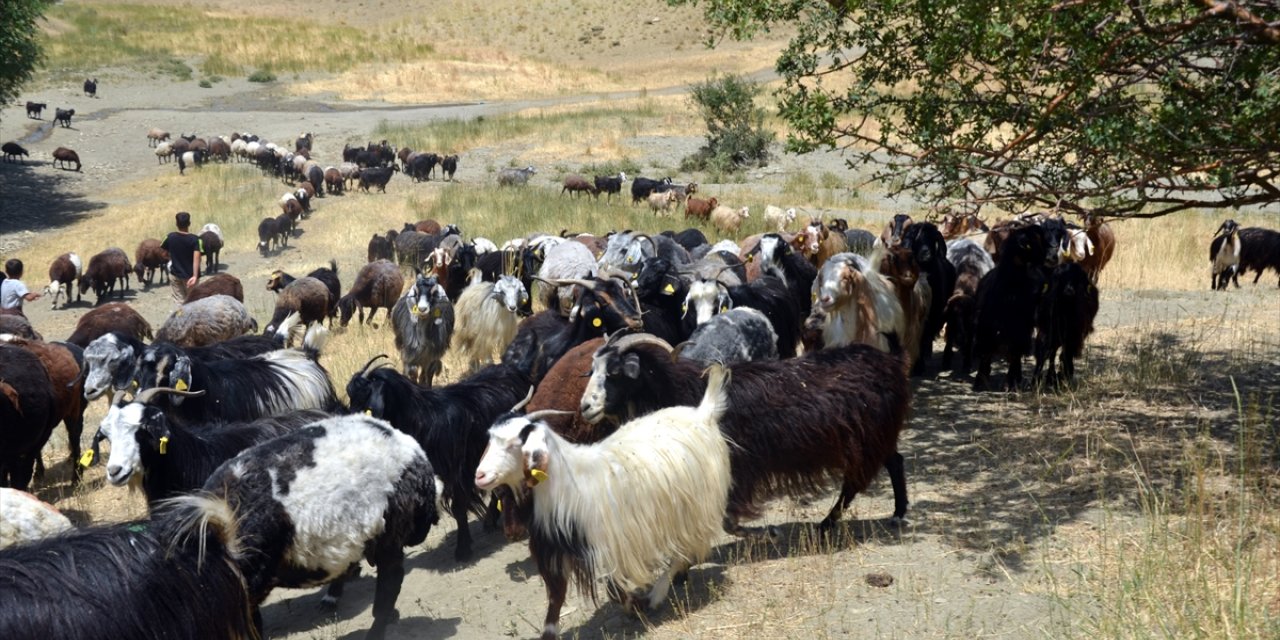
{"x": 648, "y": 500}
{"x": 487, "y": 314}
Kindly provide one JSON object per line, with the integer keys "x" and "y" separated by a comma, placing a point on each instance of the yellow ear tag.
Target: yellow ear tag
{"x": 596, "y": 322}
{"x": 133, "y": 384}
{"x": 1045, "y": 287}
{"x": 435, "y": 313}
{"x": 86, "y": 459}
{"x": 414, "y": 309}
{"x": 751, "y": 257}
{"x": 723, "y": 309}
{"x": 368, "y": 412}
{"x": 538, "y": 475}
{"x": 499, "y": 506}
{"x": 181, "y": 386}
{"x": 164, "y": 445}
{"x": 669, "y": 289}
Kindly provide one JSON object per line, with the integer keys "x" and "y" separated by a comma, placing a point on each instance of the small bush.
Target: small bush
{"x": 262, "y": 75}
{"x": 216, "y": 78}
{"x": 611, "y": 168}
{"x": 205, "y": 84}
{"x": 175, "y": 67}
{"x": 736, "y": 136}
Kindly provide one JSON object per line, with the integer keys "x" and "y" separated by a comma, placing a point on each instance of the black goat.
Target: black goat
{"x": 1259, "y": 250}
{"x": 271, "y": 384}
{"x": 451, "y": 423}
{"x": 27, "y": 415}
{"x": 1064, "y": 320}
{"x": 1006, "y": 304}
{"x": 780, "y": 260}
{"x": 793, "y": 423}
{"x": 63, "y": 116}
{"x": 172, "y": 458}
{"x": 641, "y": 187}
{"x": 609, "y": 185}
{"x": 145, "y": 578}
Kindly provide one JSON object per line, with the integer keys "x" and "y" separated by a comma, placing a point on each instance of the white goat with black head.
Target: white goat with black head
{"x": 423, "y": 321}
{"x": 488, "y": 313}
{"x": 637, "y": 508}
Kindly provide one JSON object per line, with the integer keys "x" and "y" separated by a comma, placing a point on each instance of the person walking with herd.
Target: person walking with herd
{"x": 184, "y": 250}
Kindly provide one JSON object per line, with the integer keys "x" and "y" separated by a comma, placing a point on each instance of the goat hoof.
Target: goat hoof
{"x": 897, "y": 522}
{"x": 462, "y": 555}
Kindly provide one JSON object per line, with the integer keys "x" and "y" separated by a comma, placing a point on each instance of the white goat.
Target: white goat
{"x": 565, "y": 261}
{"x": 729, "y": 220}
{"x": 648, "y": 500}
{"x": 779, "y": 218}
{"x": 859, "y": 304}
{"x": 487, "y": 314}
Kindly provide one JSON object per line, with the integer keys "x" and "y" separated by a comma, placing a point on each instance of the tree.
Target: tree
{"x": 19, "y": 46}
{"x": 736, "y": 136}
{"x": 1133, "y": 108}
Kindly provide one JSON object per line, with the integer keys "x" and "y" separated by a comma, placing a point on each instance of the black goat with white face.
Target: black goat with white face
{"x": 451, "y": 423}
{"x": 779, "y": 259}
{"x": 168, "y": 458}
{"x": 793, "y": 423}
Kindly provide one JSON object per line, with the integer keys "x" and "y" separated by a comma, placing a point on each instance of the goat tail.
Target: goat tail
{"x": 286, "y": 326}
{"x": 716, "y": 398}
{"x": 315, "y": 340}
{"x": 200, "y": 515}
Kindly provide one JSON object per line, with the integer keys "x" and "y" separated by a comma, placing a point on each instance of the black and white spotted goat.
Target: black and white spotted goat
{"x": 308, "y": 505}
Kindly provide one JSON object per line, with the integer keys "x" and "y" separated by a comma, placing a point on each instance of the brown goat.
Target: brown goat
{"x": 220, "y": 284}
{"x": 576, "y": 184}
{"x": 63, "y": 370}
{"x": 148, "y": 258}
{"x": 65, "y": 156}
{"x": 561, "y": 389}
{"x": 954, "y": 226}
{"x": 893, "y": 231}
{"x": 817, "y": 243}
{"x": 156, "y": 136}
{"x": 1104, "y": 245}
{"x": 113, "y": 316}
{"x": 378, "y": 285}
{"x": 898, "y": 265}
{"x": 699, "y": 208}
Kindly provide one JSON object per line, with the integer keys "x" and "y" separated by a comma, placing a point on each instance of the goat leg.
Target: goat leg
{"x": 390, "y": 563}
{"x": 898, "y": 478}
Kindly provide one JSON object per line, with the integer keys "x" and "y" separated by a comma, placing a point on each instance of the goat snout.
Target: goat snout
{"x": 118, "y": 474}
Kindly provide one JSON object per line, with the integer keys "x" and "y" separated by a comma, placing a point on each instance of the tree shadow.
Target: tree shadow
{"x": 37, "y": 200}
{"x": 704, "y": 586}
{"x": 1008, "y": 470}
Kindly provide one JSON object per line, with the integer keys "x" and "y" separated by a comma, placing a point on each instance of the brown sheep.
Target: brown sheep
{"x": 333, "y": 181}
{"x": 223, "y": 284}
{"x": 12, "y": 321}
{"x": 148, "y": 258}
{"x": 377, "y": 285}
{"x": 63, "y": 368}
{"x": 156, "y": 136}
{"x": 113, "y": 316}
{"x": 699, "y": 208}
{"x": 575, "y": 184}
{"x": 427, "y": 226}
{"x": 63, "y": 272}
{"x": 105, "y": 270}
{"x": 65, "y": 156}
{"x": 307, "y": 296}
{"x": 219, "y": 149}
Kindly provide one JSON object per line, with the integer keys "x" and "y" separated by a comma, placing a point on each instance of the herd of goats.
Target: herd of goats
{"x": 629, "y": 398}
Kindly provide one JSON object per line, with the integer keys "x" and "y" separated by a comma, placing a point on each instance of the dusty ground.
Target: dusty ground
{"x": 994, "y": 543}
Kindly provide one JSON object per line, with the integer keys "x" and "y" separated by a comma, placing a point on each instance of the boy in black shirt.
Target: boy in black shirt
{"x": 184, "y": 257}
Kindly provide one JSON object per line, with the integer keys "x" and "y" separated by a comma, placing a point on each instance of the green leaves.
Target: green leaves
{"x": 1113, "y": 106}
{"x": 19, "y": 48}
{"x": 736, "y": 136}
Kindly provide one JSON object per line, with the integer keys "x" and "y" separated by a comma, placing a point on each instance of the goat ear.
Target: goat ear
{"x": 180, "y": 377}
{"x": 631, "y": 366}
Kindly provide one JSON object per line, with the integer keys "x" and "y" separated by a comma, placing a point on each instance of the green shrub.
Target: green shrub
{"x": 736, "y": 136}
{"x": 205, "y": 84}
{"x": 174, "y": 67}
{"x": 262, "y": 75}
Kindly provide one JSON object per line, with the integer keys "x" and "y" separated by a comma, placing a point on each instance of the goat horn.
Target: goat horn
{"x": 366, "y": 370}
{"x": 547, "y": 413}
{"x": 117, "y": 397}
{"x": 146, "y": 396}
{"x": 624, "y": 343}
{"x": 520, "y": 405}
{"x": 583, "y": 282}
